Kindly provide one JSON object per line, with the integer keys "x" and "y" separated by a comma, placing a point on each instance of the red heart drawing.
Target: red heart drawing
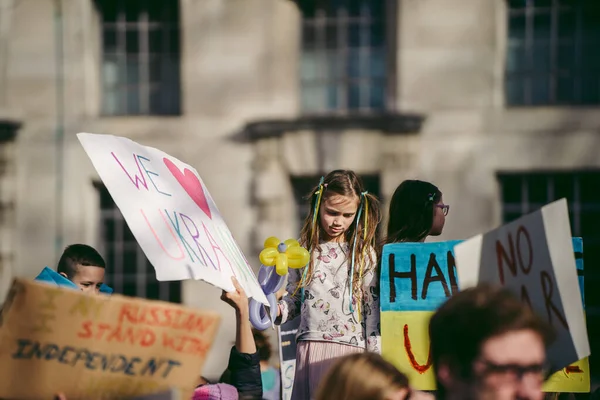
{"x": 191, "y": 184}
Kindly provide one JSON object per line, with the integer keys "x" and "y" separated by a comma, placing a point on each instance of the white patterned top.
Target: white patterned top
{"x": 325, "y": 312}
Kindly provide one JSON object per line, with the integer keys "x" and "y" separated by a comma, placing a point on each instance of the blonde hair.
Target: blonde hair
{"x": 362, "y": 376}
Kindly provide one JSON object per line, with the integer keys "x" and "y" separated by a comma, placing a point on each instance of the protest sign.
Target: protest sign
{"x": 98, "y": 347}
{"x": 171, "y": 214}
{"x": 533, "y": 256}
{"x": 416, "y": 278}
{"x": 287, "y": 356}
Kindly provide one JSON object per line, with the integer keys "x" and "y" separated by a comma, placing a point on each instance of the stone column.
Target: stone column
{"x": 8, "y": 133}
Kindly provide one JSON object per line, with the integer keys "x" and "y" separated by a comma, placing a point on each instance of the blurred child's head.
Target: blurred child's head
{"x": 363, "y": 376}
{"x": 83, "y": 266}
{"x": 417, "y": 210}
{"x": 333, "y": 211}
{"x": 262, "y": 345}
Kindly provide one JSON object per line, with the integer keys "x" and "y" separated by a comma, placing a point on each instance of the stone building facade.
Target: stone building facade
{"x": 262, "y": 97}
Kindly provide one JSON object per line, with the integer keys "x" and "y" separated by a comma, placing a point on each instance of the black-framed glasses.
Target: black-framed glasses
{"x": 516, "y": 372}
{"x": 445, "y": 208}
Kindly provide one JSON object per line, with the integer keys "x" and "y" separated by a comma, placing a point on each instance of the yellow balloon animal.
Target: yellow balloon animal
{"x": 283, "y": 255}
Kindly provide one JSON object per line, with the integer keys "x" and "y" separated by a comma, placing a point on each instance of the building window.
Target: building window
{"x": 303, "y": 185}
{"x": 552, "y": 52}
{"x": 525, "y": 193}
{"x": 128, "y": 271}
{"x": 344, "y": 61}
{"x": 140, "y": 57}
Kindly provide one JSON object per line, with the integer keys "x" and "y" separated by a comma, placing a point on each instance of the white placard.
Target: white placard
{"x": 171, "y": 214}
{"x": 534, "y": 257}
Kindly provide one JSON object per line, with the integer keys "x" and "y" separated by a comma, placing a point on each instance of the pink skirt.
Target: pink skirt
{"x": 313, "y": 360}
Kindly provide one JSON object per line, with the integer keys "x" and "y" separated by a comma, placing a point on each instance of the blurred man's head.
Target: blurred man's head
{"x": 487, "y": 344}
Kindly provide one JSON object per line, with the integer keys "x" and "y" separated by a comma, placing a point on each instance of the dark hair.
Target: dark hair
{"x": 411, "y": 211}
{"x": 344, "y": 183}
{"x": 461, "y": 326}
{"x": 76, "y": 255}
{"x": 262, "y": 345}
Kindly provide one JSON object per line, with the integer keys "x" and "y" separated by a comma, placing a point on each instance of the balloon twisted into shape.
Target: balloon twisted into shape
{"x": 276, "y": 258}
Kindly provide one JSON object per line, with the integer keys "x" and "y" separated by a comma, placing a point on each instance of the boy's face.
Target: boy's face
{"x": 89, "y": 278}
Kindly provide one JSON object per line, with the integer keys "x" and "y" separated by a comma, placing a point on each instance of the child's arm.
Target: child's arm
{"x": 371, "y": 309}
{"x": 289, "y": 305}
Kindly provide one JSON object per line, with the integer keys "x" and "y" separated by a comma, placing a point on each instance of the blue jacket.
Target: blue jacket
{"x": 54, "y": 278}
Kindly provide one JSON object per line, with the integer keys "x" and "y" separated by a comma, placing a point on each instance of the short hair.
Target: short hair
{"x": 78, "y": 254}
{"x": 461, "y": 326}
{"x": 361, "y": 376}
{"x": 262, "y": 345}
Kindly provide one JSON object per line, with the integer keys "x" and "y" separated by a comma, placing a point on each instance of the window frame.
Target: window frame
{"x": 563, "y": 85}
{"x": 344, "y": 81}
{"x": 154, "y": 85}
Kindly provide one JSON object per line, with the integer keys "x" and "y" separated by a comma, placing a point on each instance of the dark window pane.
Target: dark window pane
{"x": 564, "y": 187}
{"x": 590, "y": 221}
{"x": 377, "y": 67}
{"x": 540, "y": 89}
{"x": 132, "y": 10}
{"x": 130, "y": 288}
{"x": 565, "y": 56}
{"x": 132, "y": 41}
{"x": 515, "y": 92}
{"x": 377, "y": 96}
{"x": 511, "y": 189}
{"x": 537, "y": 187}
{"x": 113, "y": 73}
{"x": 133, "y": 72}
{"x": 589, "y": 89}
{"x": 156, "y": 41}
{"x": 354, "y": 63}
{"x": 113, "y": 101}
{"x": 153, "y": 290}
{"x": 354, "y": 33}
{"x": 377, "y": 34}
{"x": 590, "y": 57}
{"x": 109, "y": 10}
{"x": 566, "y": 24}
{"x": 541, "y": 57}
{"x": 588, "y": 188}
{"x": 515, "y": 58}
{"x": 133, "y": 101}
{"x": 331, "y": 36}
{"x": 109, "y": 40}
{"x": 541, "y": 26}
{"x": 511, "y": 216}
{"x": 565, "y": 90}
{"x": 309, "y": 36}
{"x": 517, "y": 4}
{"x": 516, "y": 29}
{"x": 130, "y": 261}
{"x": 354, "y": 94}
{"x": 172, "y": 41}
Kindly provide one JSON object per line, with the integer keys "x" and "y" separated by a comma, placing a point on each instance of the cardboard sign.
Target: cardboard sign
{"x": 170, "y": 213}
{"x": 533, "y": 256}
{"x": 98, "y": 347}
{"x": 287, "y": 356}
{"x": 416, "y": 278}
